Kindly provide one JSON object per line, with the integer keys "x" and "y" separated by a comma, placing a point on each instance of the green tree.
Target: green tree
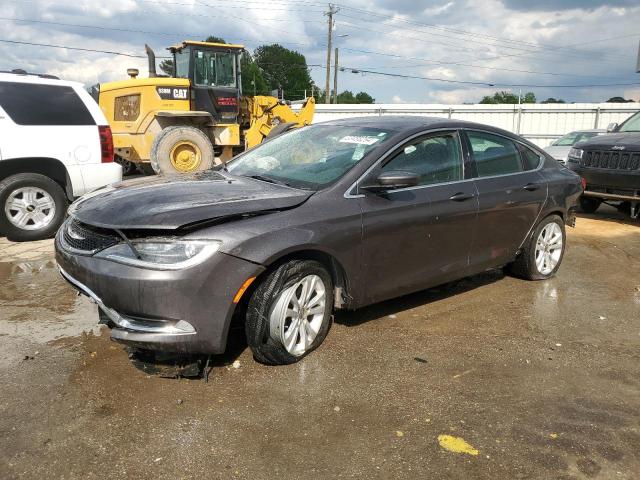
{"x": 284, "y": 68}
{"x": 346, "y": 97}
{"x": 214, "y": 39}
{"x": 553, "y": 100}
{"x": 364, "y": 97}
{"x": 618, "y": 100}
{"x": 508, "y": 97}
{"x": 253, "y": 82}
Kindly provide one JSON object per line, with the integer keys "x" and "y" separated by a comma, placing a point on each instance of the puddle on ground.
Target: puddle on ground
{"x": 37, "y": 305}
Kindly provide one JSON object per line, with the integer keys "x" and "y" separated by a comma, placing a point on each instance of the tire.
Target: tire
{"x": 525, "y": 265}
{"x": 180, "y": 149}
{"x": 280, "y": 129}
{"x": 263, "y": 323}
{"x": 45, "y": 212}
{"x": 589, "y": 204}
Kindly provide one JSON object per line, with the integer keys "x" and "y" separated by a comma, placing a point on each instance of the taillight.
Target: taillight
{"x": 106, "y": 143}
{"x": 584, "y": 183}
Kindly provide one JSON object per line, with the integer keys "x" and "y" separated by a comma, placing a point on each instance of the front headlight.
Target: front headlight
{"x": 576, "y": 153}
{"x": 162, "y": 254}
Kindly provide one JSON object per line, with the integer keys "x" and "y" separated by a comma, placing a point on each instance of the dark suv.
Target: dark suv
{"x": 610, "y": 166}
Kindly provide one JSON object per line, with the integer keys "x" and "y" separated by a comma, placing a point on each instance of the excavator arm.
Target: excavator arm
{"x": 264, "y": 113}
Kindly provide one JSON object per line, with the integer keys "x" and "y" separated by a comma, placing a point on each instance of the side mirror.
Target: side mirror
{"x": 612, "y": 127}
{"x": 392, "y": 180}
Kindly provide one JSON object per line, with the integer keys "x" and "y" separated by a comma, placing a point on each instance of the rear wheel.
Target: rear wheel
{"x": 32, "y": 207}
{"x": 180, "y": 149}
{"x": 289, "y": 314}
{"x": 543, "y": 252}
{"x": 589, "y": 204}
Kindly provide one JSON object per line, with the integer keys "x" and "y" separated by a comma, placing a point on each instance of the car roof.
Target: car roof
{"x": 414, "y": 122}
{"x": 589, "y": 130}
{"x": 36, "y": 78}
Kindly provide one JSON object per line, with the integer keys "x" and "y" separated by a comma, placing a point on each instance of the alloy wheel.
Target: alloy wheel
{"x": 548, "y": 248}
{"x": 298, "y": 314}
{"x": 30, "y": 208}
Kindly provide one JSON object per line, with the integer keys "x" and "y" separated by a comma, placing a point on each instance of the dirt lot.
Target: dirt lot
{"x": 542, "y": 379}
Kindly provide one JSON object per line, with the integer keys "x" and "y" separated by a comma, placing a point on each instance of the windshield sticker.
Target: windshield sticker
{"x": 359, "y": 139}
{"x": 358, "y": 152}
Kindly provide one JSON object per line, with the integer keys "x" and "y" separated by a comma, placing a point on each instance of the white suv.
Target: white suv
{"x": 55, "y": 145}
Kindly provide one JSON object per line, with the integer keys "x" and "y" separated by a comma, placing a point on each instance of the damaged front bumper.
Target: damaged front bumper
{"x": 182, "y": 311}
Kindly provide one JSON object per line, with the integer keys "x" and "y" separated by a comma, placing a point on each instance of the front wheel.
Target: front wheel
{"x": 289, "y": 313}
{"x": 32, "y": 207}
{"x": 542, "y": 254}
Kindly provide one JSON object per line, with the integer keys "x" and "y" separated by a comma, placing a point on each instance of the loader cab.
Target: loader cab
{"x": 213, "y": 70}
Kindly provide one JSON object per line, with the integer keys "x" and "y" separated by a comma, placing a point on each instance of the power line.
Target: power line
{"x": 486, "y": 84}
{"x": 110, "y": 52}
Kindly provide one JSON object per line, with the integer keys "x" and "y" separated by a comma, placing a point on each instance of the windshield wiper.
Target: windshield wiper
{"x": 269, "y": 179}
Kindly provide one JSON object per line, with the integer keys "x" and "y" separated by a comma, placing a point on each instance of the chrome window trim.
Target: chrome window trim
{"x": 348, "y": 194}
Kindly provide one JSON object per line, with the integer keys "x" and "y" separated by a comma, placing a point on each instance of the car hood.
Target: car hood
{"x": 630, "y": 141}
{"x": 170, "y": 202}
{"x": 557, "y": 151}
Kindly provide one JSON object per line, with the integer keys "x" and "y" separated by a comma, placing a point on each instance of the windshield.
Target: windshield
{"x": 632, "y": 124}
{"x": 574, "y": 137}
{"x": 215, "y": 69}
{"x": 311, "y": 157}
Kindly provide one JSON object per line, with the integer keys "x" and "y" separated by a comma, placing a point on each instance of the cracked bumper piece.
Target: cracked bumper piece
{"x": 182, "y": 311}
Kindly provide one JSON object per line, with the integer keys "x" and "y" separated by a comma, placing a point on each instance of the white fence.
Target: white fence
{"x": 540, "y": 123}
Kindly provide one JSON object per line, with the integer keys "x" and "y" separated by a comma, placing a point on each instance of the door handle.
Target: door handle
{"x": 531, "y": 187}
{"x": 461, "y": 196}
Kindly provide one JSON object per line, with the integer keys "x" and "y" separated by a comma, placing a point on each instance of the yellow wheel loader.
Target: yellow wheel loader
{"x": 197, "y": 117}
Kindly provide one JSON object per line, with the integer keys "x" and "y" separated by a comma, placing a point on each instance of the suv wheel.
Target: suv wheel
{"x": 589, "y": 204}
{"x": 32, "y": 207}
{"x": 543, "y": 252}
{"x": 290, "y": 312}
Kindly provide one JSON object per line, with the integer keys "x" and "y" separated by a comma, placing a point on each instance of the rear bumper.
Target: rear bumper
{"x": 96, "y": 175}
{"x": 183, "y": 311}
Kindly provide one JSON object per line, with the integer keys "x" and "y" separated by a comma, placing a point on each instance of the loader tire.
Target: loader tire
{"x": 180, "y": 149}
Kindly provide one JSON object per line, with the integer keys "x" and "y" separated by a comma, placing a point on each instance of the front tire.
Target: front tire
{"x": 542, "y": 254}
{"x": 290, "y": 312}
{"x": 180, "y": 149}
{"x": 32, "y": 207}
{"x": 589, "y": 204}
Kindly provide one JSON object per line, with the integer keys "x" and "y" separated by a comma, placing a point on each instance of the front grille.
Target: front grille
{"x": 611, "y": 160}
{"x": 80, "y": 236}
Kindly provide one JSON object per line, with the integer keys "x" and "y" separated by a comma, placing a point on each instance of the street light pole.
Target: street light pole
{"x": 332, "y": 11}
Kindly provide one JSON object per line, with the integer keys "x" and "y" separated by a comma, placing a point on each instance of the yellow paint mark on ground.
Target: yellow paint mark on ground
{"x": 456, "y": 445}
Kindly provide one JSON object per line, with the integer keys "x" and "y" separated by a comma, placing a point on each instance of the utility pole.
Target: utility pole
{"x": 332, "y": 11}
{"x": 335, "y": 79}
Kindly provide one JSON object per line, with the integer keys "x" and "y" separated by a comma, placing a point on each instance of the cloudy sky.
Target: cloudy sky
{"x": 477, "y": 46}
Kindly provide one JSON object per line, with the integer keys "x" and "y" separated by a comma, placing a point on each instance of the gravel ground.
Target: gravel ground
{"x": 490, "y": 377}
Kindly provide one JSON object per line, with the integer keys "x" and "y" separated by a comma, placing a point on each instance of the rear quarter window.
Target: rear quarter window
{"x": 530, "y": 159}
{"x": 43, "y": 105}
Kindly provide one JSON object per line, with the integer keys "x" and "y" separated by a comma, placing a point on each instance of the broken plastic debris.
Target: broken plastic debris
{"x": 456, "y": 445}
{"x": 336, "y": 408}
{"x": 553, "y": 435}
{"x": 236, "y": 364}
{"x": 602, "y": 318}
{"x": 399, "y": 434}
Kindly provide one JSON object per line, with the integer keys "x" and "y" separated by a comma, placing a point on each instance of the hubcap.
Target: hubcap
{"x": 185, "y": 156}
{"x": 30, "y": 208}
{"x": 298, "y": 314}
{"x": 548, "y": 248}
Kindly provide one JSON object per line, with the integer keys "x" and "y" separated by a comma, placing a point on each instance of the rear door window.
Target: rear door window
{"x": 493, "y": 154}
{"x": 43, "y": 105}
{"x": 435, "y": 159}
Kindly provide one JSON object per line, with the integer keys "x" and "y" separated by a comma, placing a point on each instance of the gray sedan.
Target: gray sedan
{"x": 336, "y": 215}
{"x": 560, "y": 148}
